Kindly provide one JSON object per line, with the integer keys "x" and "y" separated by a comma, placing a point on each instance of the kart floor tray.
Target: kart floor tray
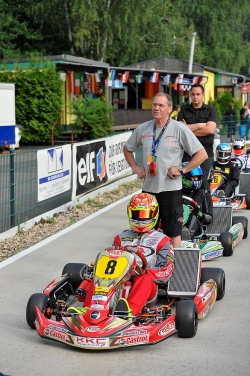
{"x": 185, "y": 278}
{"x": 222, "y": 220}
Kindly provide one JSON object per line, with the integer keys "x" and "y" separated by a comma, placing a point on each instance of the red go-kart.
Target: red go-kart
{"x": 189, "y": 296}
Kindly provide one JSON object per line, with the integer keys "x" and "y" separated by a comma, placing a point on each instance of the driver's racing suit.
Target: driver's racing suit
{"x": 159, "y": 253}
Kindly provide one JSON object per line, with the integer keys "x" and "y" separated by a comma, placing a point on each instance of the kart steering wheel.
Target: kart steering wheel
{"x": 237, "y": 161}
{"x": 140, "y": 254}
{"x": 196, "y": 207}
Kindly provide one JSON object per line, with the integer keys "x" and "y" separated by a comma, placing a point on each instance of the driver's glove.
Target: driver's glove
{"x": 199, "y": 215}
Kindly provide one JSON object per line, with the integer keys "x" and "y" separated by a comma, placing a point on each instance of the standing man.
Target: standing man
{"x": 201, "y": 119}
{"x": 244, "y": 115}
{"x": 164, "y": 141}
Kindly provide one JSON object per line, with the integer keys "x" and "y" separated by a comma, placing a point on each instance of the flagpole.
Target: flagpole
{"x": 191, "y": 53}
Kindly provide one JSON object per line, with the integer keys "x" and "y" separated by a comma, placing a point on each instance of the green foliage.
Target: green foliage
{"x": 38, "y": 101}
{"x": 92, "y": 115}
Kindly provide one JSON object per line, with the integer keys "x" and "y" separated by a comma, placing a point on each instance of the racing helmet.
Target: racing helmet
{"x": 223, "y": 153}
{"x": 143, "y": 212}
{"x": 239, "y": 146}
{"x": 187, "y": 181}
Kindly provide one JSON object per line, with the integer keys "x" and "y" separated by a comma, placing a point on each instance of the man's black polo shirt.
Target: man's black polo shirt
{"x": 200, "y": 115}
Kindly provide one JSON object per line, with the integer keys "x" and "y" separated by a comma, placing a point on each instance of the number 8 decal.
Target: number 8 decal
{"x": 110, "y": 267}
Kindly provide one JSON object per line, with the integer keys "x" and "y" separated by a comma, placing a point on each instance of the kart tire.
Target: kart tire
{"x": 218, "y": 275}
{"x": 73, "y": 270}
{"x": 226, "y": 239}
{"x": 244, "y": 221}
{"x": 42, "y": 301}
{"x": 186, "y": 319}
{"x": 248, "y": 200}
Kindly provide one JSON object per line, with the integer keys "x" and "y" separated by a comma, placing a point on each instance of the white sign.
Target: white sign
{"x": 54, "y": 171}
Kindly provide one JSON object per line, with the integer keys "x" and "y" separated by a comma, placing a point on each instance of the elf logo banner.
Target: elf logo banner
{"x": 91, "y": 170}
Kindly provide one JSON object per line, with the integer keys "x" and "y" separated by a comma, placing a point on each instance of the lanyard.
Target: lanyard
{"x": 156, "y": 142}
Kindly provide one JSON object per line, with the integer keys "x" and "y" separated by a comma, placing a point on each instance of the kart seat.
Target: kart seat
{"x": 184, "y": 280}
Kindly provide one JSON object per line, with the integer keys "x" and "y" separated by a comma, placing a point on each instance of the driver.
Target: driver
{"x": 143, "y": 213}
{"x": 230, "y": 170}
{"x": 191, "y": 187}
{"x": 240, "y": 152}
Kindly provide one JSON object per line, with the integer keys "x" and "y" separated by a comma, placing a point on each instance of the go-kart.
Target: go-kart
{"x": 192, "y": 291}
{"x": 237, "y": 200}
{"x": 221, "y": 236}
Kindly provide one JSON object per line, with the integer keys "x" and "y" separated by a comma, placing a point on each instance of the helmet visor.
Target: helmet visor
{"x": 224, "y": 154}
{"x": 142, "y": 214}
{"x": 196, "y": 171}
{"x": 238, "y": 147}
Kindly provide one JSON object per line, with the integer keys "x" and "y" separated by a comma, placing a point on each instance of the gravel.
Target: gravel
{"x": 45, "y": 228}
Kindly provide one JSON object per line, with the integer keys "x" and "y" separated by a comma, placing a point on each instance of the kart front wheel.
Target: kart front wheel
{"x": 218, "y": 275}
{"x": 186, "y": 319}
{"x": 73, "y": 270}
{"x": 42, "y": 301}
{"x": 244, "y": 221}
{"x": 226, "y": 239}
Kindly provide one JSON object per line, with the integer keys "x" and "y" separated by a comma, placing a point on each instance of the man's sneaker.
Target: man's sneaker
{"x": 123, "y": 310}
{"x": 77, "y": 310}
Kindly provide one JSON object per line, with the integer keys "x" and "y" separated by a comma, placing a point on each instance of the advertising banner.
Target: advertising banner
{"x": 53, "y": 171}
{"x": 98, "y": 163}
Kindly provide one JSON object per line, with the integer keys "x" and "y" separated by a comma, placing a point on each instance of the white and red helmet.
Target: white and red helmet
{"x": 239, "y": 146}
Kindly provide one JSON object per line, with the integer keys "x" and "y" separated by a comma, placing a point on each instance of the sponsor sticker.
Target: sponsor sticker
{"x": 166, "y": 329}
{"x": 103, "y": 298}
{"x": 132, "y": 340}
{"x": 92, "y": 329}
{"x": 95, "y": 315}
{"x": 91, "y": 342}
{"x": 97, "y": 306}
{"x": 65, "y": 337}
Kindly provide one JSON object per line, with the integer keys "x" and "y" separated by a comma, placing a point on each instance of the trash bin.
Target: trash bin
{"x": 243, "y": 130}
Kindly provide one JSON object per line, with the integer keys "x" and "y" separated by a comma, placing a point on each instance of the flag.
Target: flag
{"x": 124, "y": 77}
{"x": 154, "y": 77}
{"x": 97, "y": 77}
{"x": 72, "y": 82}
{"x": 82, "y": 83}
{"x": 117, "y": 84}
{"x": 93, "y": 83}
{"x": 77, "y": 83}
{"x": 139, "y": 77}
{"x": 166, "y": 79}
{"x": 187, "y": 83}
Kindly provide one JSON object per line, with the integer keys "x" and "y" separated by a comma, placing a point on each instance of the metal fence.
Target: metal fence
{"x": 19, "y": 189}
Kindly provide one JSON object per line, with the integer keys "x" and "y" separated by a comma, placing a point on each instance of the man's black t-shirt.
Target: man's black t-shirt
{"x": 200, "y": 115}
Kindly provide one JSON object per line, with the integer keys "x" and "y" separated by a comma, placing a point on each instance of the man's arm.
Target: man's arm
{"x": 202, "y": 129}
{"x": 198, "y": 158}
{"x": 129, "y": 156}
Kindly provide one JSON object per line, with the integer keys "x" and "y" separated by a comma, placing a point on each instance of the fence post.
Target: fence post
{"x": 12, "y": 187}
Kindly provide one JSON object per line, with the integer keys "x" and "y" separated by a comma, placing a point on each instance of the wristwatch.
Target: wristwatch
{"x": 181, "y": 171}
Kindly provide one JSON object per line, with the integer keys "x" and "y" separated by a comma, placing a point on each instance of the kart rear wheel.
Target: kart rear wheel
{"x": 186, "y": 319}
{"x": 244, "y": 221}
{"x": 73, "y": 270}
{"x": 218, "y": 275}
{"x": 226, "y": 239}
{"x": 42, "y": 301}
{"x": 248, "y": 200}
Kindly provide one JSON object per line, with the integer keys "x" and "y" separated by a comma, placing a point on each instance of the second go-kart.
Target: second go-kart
{"x": 221, "y": 236}
{"x": 237, "y": 201}
{"x": 189, "y": 295}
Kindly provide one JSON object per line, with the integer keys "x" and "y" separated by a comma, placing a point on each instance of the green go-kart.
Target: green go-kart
{"x": 217, "y": 239}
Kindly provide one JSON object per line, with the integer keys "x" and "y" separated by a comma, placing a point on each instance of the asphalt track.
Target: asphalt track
{"x": 221, "y": 346}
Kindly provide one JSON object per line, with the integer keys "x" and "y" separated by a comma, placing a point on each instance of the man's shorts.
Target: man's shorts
{"x": 171, "y": 211}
